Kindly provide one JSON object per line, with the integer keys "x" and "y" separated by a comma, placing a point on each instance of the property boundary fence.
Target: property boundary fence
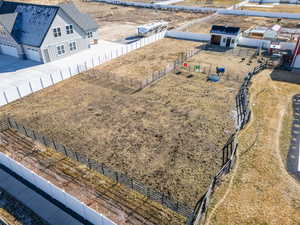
{"x": 203, "y": 9}
{"x": 40, "y": 80}
{"x": 159, "y": 197}
{"x": 230, "y": 149}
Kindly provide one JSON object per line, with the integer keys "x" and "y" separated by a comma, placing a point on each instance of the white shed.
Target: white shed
{"x": 224, "y": 36}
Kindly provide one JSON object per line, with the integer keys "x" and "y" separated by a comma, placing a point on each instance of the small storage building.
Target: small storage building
{"x": 224, "y": 36}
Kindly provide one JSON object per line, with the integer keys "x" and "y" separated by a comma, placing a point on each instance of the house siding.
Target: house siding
{"x": 50, "y": 42}
{"x": 7, "y": 39}
{"x": 52, "y": 49}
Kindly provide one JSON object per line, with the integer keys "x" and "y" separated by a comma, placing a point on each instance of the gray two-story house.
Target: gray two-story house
{"x": 44, "y": 33}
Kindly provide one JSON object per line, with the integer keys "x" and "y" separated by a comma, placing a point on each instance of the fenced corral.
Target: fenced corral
{"x": 228, "y": 155}
{"x": 230, "y": 149}
{"x": 171, "y": 67}
{"x": 40, "y": 79}
{"x": 161, "y": 198}
{"x": 240, "y": 52}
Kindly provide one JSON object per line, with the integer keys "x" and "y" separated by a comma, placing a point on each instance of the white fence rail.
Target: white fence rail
{"x": 276, "y": 1}
{"x": 38, "y": 79}
{"x": 257, "y": 43}
{"x": 55, "y": 192}
{"x": 188, "y": 36}
{"x": 295, "y": 16}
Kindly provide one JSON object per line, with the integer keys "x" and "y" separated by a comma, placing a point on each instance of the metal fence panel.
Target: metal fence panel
{"x": 72, "y": 155}
{"x": 109, "y": 173}
{"x": 123, "y": 179}
{"x": 139, "y": 187}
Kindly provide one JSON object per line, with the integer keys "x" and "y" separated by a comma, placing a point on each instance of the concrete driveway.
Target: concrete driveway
{"x": 12, "y": 64}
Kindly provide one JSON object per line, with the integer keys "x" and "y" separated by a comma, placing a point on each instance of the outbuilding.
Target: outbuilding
{"x": 224, "y": 36}
{"x": 296, "y": 56}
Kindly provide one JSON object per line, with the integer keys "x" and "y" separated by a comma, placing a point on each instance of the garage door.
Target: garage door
{"x": 32, "y": 55}
{"x": 8, "y": 50}
{"x": 216, "y": 39}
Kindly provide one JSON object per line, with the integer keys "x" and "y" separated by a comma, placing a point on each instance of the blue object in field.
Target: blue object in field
{"x": 220, "y": 70}
{"x": 213, "y": 78}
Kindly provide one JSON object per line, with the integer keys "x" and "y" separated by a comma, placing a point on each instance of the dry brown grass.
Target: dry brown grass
{"x": 262, "y": 191}
{"x": 176, "y": 127}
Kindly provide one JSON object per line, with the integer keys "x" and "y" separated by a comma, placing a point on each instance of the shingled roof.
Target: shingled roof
{"x": 29, "y": 23}
{"x": 8, "y": 21}
{"x": 84, "y": 21}
{"x": 225, "y": 30}
{"x": 32, "y": 21}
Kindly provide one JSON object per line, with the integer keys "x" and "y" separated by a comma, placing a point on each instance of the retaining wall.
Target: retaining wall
{"x": 55, "y": 192}
{"x": 188, "y": 36}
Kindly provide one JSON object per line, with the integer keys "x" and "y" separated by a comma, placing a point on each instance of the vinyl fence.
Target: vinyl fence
{"x": 188, "y": 36}
{"x": 203, "y": 9}
{"x": 230, "y": 149}
{"x": 55, "y": 192}
{"x": 39, "y": 80}
{"x": 159, "y": 197}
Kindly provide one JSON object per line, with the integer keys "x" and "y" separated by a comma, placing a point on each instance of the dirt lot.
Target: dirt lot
{"x": 142, "y": 62}
{"x": 260, "y": 190}
{"x": 244, "y": 22}
{"x": 176, "y": 127}
{"x": 117, "y": 22}
{"x": 275, "y": 8}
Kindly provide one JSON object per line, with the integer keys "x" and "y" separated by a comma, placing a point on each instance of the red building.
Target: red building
{"x": 296, "y": 55}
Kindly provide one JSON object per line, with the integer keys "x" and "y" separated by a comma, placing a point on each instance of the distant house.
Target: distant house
{"x": 44, "y": 33}
{"x": 224, "y": 36}
{"x": 263, "y": 32}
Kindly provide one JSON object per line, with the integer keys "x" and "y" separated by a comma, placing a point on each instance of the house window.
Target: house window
{"x": 224, "y": 40}
{"x": 73, "y": 46}
{"x": 90, "y": 34}
{"x": 57, "y": 32}
{"x": 232, "y": 41}
{"x": 60, "y": 50}
{"x": 69, "y": 29}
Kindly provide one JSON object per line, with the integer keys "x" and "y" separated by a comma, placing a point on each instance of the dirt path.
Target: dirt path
{"x": 260, "y": 191}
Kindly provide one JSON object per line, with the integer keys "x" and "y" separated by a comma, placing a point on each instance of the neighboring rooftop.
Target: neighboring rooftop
{"x": 224, "y": 30}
